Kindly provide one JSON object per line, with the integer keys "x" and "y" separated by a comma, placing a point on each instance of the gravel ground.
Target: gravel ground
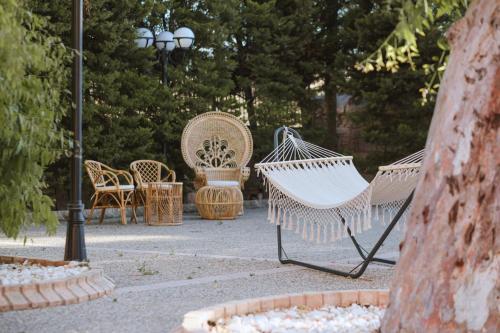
{"x": 163, "y": 272}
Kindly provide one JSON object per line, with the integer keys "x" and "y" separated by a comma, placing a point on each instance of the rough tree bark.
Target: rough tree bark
{"x": 447, "y": 279}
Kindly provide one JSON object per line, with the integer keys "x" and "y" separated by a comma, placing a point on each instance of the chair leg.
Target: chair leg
{"x": 123, "y": 214}
{"x": 91, "y": 213}
{"x": 123, "y": 211}
{"x": 103, "y": 211}
{"x": 134, "y": 207}
{"x": 145, "y": 207}
{"x": 134, "y": 215}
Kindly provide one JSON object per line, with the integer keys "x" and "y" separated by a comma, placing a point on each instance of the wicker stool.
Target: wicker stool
{"x": 164, "y": 203}
{"x": 219, "y": 203}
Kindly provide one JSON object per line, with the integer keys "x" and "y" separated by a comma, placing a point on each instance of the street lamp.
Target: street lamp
{"x": 184, "y": 38}
{"x": 165, "y": 42}
{"x": 75, "y": 237}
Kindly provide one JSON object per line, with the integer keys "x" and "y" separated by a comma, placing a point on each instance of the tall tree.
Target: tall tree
{"x": 31, "y": 107}
{"x": 447, "y": 277}
{"x": 264, "y": 60}
{"x": 201, "y": 78}
{"x": 390, "y": 113}
{"x": 272, "y": 42}
{"x": 128, "y": 113}
{"x": 329, "y": 19}
{"x": 120, "y": 87}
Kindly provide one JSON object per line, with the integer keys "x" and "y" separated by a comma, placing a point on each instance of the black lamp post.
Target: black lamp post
{"x": 165, "y": 42}
{"x": 75, "y": 237}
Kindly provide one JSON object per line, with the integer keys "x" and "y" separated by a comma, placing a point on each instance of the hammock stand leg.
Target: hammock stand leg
{"x": 283, "y": 258}
{"x": 362, "y": 252}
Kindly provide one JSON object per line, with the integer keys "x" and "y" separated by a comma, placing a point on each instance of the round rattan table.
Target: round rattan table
{"x": 219, "y": 203}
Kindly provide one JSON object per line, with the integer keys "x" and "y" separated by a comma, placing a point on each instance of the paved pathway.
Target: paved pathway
{"x": 163, "y": 272}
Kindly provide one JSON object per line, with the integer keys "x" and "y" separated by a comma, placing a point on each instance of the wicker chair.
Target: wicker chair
{"x": 109, "y": 192}
{"x": 218, "y": 147}
{"x": 148, "y": 171}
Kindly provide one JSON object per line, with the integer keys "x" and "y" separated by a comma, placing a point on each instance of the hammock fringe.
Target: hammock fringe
{"x": 321, "y": 191}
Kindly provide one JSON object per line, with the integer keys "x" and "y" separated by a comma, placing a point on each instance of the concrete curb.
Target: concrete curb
{"x": 188, "y": 208}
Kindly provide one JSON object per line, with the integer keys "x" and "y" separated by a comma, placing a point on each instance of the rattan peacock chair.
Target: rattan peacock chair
{"x": 218, "y": 146}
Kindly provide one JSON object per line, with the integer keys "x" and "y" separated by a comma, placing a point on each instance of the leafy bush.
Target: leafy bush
{"x": 32, "y": 84}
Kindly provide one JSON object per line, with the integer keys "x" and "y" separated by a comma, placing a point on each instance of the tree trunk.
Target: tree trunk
{"x": 249, "y": 100}
{"x": 447, "y": 277}
{"x": 330, "y": 86}
{"x": 331, "y": 113}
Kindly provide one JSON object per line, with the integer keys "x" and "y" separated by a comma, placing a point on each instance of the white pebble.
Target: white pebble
{"x": 12, "y": 274}
{"x": 354, "y": 318}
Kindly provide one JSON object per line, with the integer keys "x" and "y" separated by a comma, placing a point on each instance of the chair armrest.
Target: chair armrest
{"x": 126, "y": 175}
{"x": 244, "y": 175}
{"x": 170, "y": 174}
{"x": 200, "y": 177}
{"x": 110, "y": 178}
{"x": 137, "y": 177}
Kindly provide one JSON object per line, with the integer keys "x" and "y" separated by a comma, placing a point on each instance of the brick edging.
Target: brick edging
{"x": 75, "y": 289}
{"x": 198, "y": 321}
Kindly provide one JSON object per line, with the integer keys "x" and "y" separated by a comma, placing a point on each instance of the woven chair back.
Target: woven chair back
{"x": 94, "y": 169}
{"x": 216, "y": 140}
{"x": 149, "y": 171}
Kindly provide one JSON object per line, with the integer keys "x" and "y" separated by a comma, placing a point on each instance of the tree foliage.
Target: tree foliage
{"x": 389, "y": 112}
{"x": 401, "y": 46}
{"x": 270, "y": 62}
{"x": 32, "y": 85}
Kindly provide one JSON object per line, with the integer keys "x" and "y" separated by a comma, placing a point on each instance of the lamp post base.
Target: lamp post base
{"x": 75, "y": 237}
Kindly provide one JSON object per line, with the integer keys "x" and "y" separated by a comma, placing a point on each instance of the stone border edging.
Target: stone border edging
{"x": 75, "y": 289}
{"x": 198, "y": 321}
{"x": 187, "y": 208}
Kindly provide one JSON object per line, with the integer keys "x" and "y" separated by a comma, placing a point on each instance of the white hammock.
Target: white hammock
{"x": 322, "y": 193}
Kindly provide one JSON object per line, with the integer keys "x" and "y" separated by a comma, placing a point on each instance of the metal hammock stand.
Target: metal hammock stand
{"x": 367, "y": 256}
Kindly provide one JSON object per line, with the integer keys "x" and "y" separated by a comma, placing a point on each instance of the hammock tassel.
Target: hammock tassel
{"x": 311, "y": 232}
{"x": 290, "y": 221}
{"x": 340, "y": 231}
{"x": 271, "y": 219}
{"x": 397, "y": 224}
{"x": 346, "y": 234}
{"x": 368, "y": 220}
{"x": 358, "y": 224}
{"x": 348, "y": 225}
